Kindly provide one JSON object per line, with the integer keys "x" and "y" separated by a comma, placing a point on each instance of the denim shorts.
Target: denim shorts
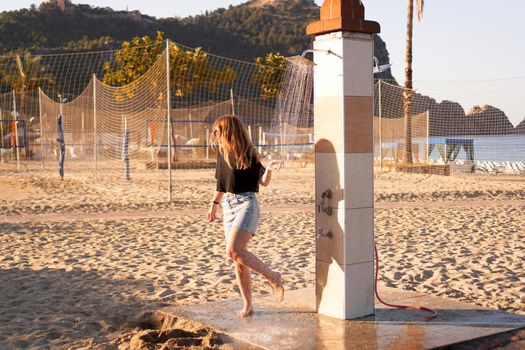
{"x": 240, "y": 210}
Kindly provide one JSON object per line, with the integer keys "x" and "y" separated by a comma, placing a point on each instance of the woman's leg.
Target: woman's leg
{"x": 244, "y": 279}
{"x": 237, "y": 249}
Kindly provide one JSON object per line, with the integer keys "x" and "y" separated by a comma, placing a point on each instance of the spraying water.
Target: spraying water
{"x": 292, "y": 125}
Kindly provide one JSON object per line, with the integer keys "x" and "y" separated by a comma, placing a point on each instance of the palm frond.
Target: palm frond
{"x": 20, "y": 66}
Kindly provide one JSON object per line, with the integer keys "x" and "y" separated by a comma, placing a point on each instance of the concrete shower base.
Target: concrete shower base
{"x": 294, "y": 324}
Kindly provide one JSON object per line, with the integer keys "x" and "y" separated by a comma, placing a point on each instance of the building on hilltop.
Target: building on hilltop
{"x": 61, "y": 4}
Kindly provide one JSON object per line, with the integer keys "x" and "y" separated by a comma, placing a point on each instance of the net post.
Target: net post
{"x": 232, "y": 102}
{"x": 1, "y": 133}
{"x": 125, "y": 155}
{"x": 191, "y": 126}
{"x": 380, "y": 131}
{"x": 41, "y": 128}
{"x": 207, "y": 143}
{"x": 83, "y": 134}
{"x": 60, "y": 107}
{"x": 16, "y": 133}
{"x": 260, "y": 138}
{"x": 168, "y": 117}
{"x": 428, "y": 133}
{"x": 62, "y": 139}
{"x": 95, "y": 138}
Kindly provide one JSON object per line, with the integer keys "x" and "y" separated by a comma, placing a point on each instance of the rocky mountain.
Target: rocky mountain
{"x": 448, "y": 118}
{"x": 488, "y": 120}
{"x": 520, "y": 128}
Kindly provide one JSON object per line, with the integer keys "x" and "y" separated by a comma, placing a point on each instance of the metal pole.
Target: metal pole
{"x": 95, "y": 138}
{"x": 168, "y": 116}
{"x": 191, "y": 126}
{"x": 1, "y": 129}
{"x": 82, "y": 136}
{"x": 41, "y": 128}
{"x": 16, "y": 133}
{"x": 428, "y": 132}
{"x": 62, "y": 139}
{"x": 207, "y": 143}
{"x": 250, "y": 132}
{"x": 284, "y": 137}
{"x": 380, "y": 131}
{"x": 125, "y": 145}
{"x": 60, "y": 109}
{"x": 260, "y": 139}
{"x": 232, "y": 102}
{"x": 1, "y": 135}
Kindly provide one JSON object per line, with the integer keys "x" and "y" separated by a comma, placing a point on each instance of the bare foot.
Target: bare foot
{"x": 278, "y": 286}
{"x": 245, "y": 312}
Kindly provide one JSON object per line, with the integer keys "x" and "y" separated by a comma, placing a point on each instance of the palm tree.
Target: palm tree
{"x": 408, "y": 93}
{"x": 28, "y": 74}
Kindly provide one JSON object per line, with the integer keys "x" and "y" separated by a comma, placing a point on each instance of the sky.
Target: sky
{"x": 468, "y": 51}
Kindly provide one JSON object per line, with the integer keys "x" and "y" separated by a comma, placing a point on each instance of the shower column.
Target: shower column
{"x": 344, "y": 176}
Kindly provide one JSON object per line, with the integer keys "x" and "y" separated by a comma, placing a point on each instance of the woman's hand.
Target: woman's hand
{"x": 274, "y": 165}
{"x": 212, "y": 212}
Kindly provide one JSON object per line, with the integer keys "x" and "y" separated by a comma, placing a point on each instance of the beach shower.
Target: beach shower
{"x": 344, "y": 160}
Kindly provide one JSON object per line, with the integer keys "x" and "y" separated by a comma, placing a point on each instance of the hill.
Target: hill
{"x": 520, "y": 128}
{"x": 243, "y": 32}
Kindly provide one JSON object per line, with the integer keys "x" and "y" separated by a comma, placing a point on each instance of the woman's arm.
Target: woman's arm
{"x": 212, "y": 212}
{"x": 274, "y": 165}
{"x": 217, "y": 197}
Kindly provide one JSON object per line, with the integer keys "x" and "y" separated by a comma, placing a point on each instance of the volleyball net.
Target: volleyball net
{"x": 146, "y": 109}
{"x": 149, "y": 107}
{"x": 442, "y": 137}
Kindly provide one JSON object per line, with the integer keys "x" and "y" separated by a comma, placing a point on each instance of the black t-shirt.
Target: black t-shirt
{"x": 237, "y": 180}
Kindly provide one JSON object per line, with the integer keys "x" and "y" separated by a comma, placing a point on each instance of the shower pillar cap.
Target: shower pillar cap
{"x": 342, "y": 16}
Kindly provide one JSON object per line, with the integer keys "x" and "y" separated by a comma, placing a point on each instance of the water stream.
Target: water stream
{"x": 292, "y": 125}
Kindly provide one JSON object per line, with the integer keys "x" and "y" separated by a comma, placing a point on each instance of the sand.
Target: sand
{"x": 80, "y": 261}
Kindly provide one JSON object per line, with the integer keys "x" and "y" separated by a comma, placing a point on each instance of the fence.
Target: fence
{"x": 115, "y": 133}
{"x": 481, "y": 140}
{"x": 158, "y": 121}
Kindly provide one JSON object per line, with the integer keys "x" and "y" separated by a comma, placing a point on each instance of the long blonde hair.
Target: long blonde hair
{"x": 234, "y": 142}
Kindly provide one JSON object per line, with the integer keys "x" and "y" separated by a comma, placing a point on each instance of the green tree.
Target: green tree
{"x": 189, "y": 69}
{"x": 408, "y": 93}
{"x": 133, "y": 60}
{"x": 269, "y": 76}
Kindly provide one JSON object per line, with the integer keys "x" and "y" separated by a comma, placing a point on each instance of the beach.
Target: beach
{"x": 81, "y": 261}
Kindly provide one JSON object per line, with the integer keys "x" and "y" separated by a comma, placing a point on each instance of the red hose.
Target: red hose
{"x": 429, "y": 317}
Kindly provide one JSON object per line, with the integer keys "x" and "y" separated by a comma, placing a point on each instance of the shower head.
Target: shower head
{"x": 328, "y": 52}
{"x": 380, "y": 68}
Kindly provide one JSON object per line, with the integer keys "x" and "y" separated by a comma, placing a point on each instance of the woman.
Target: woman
{"x": 239, "y": 173}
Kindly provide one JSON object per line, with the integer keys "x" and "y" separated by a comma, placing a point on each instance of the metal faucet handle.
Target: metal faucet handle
{"x": 323, "y": 206}
{"x": 320, "y": 234}
{"x": 327, "y": 194}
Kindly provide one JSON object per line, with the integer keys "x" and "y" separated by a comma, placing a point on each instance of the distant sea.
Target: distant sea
{"x": 492, "y": 148}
